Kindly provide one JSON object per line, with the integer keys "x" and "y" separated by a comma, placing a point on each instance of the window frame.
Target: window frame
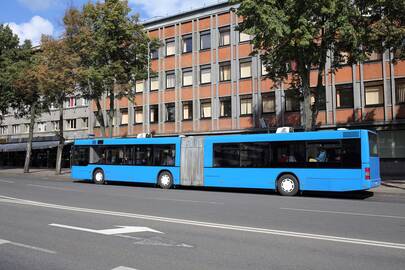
{"x": 399, "y": 82}
{"x": 244, "y": 62}
{"x": 287, "y": 93}
{"x": 187, "y": 71}
{"x": 170, "y": 106}
{"x": 244, "y": 98}
{"x": 170, "y": 73}
{"x": 152, "y": 79}
{"x": 155, "y": 107}
{"x": 224, "y": 29}
{"x": 221, "y": 101}
{"x": 138, "y": 109}
{"x": 202, "y": 68}
{"x": 343, "y": 87}
{"x": 183, "y": 39}
{"x": 205, "y": 101}
{"x": 272, "y": 95}
{"x": 223, "y": 65}
{"x": 380, "y": 85}
{"x": 170, "y": 41}
{"x": 204, "y": 34}
{"x": 190, "y": 113}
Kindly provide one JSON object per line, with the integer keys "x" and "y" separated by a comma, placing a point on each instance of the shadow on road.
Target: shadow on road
{"x": 353, "y": 195}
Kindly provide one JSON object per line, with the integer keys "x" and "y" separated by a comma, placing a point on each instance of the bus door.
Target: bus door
{"x": 192, "y": 161}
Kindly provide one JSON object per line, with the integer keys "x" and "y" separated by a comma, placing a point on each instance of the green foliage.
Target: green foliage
{"x": 8, "y": 55}
{"x": 112, "y": 46}
{"x": 293, "y": 37}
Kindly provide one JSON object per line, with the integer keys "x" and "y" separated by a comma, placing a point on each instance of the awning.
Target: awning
{"x": 19, "y": 147}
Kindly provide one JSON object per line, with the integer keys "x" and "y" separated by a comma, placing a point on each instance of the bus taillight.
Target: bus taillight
{"x": 367, "y": 173}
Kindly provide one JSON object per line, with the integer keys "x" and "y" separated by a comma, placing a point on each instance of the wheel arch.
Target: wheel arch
{"x": 163, "y": 170}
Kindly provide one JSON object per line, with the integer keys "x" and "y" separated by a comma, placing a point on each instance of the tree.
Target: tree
{"x": 384, "y": 21}
{"x": 113, "y": 50}
{"x": 57, "y": 72}
{"x": 293, "y": 37}
{"x": 28, "y": 100}
{"x": 8, "y": 49}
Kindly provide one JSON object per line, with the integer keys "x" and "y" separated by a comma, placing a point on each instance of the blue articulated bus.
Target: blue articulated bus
{"x": 342, "y": 160}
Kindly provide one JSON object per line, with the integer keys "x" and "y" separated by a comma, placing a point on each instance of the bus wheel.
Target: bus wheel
{"x": 98, "y": 177}
{"x": 165, "y": 180}
{"x": 287, "y": 185}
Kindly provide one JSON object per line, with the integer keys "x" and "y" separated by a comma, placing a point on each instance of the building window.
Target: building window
{"x": 292, "y": 101}
{"x": 269, "y": 102}
{"x": 321, "y": 98}
{"x": 154, "y": 83}
{"x": 205, "y": 40}
{"x": 245, "y": 105}
{"x": 400, "y": 91}
{"x": 154, "y": 113}
{"x": 225, "y": 107}
{"x": 3, "y": 130}
{"x": 374, "y": 93}
{"x": 55, "y": 125}
{"x": 25, "y": 128}
{"x": 154, "y": 54}
{"x": 374, "y": 56}
{"x": 138, "y": 115}
{"x": 205, "y": 108}
{"x": 85, "y": 122}
{"x": 264, "y": 70}
{"x": 225, "y": 71}
{"x": 15, "y": 129}
{"x": 139, "y": 86}
{"x": 224, "y": 36}
{"x": 187, "y": 77}
{"x": 187, "y": 110}
{"x": 41, "y": 127}
{"x": 124, "y": 117}
{"x": 85, "y": 102}
{"x": 243, "y": 37}
{"x": 71, "y": 124}
{"x": 170, "y": 112}
{"x": 344, "y": 96}
{"x": 170, "y": 79}
{"x": 205, "y": 74}
{"x": 170, "y": 47}
{"x": 70, "y": 102}
{"x": 245, "y": 68}
{"x": 187, "y": 44}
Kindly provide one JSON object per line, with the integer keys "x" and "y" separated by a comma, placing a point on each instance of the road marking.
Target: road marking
{"x": 2, "y": 241}
{"x": 7, "y": 181}
{"x": 123, "y": 268}
{"x": 208, "y": 224}
{"x": 119, "y": 230}
{"x": 343, "y": 213}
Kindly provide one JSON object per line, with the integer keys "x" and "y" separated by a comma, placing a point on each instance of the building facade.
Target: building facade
{"x": 14, "y": 134}
{"x": 203, "y": 79}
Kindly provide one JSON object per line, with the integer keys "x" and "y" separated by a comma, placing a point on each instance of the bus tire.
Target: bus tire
{"x": 287, "y": 185}
{"x": 165, "y": 180}
{"x": 98, "y": 177}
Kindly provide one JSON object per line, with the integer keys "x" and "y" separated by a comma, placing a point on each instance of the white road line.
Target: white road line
{"x": 343, "y": 213}
{"x": 208, "y": 224}
{"x": 7, "y": 181}
{"x": 119, "y": 230}
{"x": 123, "y": 268}
{"x": 2, "y": 241}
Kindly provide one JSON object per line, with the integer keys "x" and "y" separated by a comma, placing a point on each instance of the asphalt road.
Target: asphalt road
{"x": 57, "y": 224}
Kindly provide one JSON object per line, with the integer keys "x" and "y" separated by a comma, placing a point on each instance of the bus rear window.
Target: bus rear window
{"x": 372, "y": 143}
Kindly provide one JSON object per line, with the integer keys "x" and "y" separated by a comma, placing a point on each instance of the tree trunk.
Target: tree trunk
{"x": 61, "y": 140}
{"x": 111, "y": 113}
{"x": 306, "y": 91}
{"x": 30, "y": 137}
{"x": 100, "y": 118}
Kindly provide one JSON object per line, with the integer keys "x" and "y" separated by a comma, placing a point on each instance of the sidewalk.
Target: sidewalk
{"x": 387, "y": 186}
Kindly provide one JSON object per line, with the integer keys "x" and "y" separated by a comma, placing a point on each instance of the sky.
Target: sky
{"x": 29, "y": 19}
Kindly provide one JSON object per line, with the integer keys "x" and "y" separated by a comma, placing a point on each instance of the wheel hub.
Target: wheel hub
{"x": 287, "y": 185}
{"x": 165, "y": 180}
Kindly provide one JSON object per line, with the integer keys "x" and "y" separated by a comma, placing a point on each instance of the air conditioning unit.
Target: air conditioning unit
{"x": 284, "y": 130}
{"x": 143, "y": 135}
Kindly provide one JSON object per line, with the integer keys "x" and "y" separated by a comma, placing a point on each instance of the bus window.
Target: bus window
{"x": 288, "y": 154}
{"x": 143, "y": 155}
{"x": 254, "y": 155}
{"x": 98, "y": 155}
{"x": 324, "y": 154}
{"x": 351, "y": 153}
{"x": 81, "y": 156}
{"x": 114, "y": 155}
{"x": 164, "y": 155}
{"x": 226, "y": 155}
{"x": 372, "y": 143}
